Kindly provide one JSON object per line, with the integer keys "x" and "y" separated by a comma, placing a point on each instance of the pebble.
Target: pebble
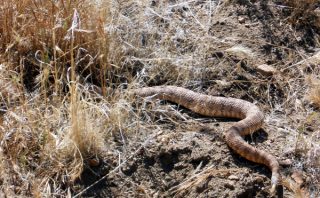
{"x": 266, "y": 70}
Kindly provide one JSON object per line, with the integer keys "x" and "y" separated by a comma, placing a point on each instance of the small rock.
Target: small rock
{"x": 233, "y": 177}
{"x": 241, "y": 19}
{"x": 266, "y": 70}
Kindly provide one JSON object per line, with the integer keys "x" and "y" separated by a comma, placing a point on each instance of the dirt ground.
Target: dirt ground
{"x": 183, "y": 154}
{"x": 160, "y": 149}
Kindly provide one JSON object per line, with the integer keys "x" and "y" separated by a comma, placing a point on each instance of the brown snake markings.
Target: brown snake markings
{"x": 250, "y": 115}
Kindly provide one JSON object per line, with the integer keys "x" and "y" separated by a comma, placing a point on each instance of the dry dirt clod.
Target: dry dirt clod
{"x": 266, "y": 70}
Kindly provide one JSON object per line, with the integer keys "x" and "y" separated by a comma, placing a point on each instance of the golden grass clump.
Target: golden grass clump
{"x": 54, "y": 126}
{"x": 38, "y": 36}
{"x": 40, "y": 149}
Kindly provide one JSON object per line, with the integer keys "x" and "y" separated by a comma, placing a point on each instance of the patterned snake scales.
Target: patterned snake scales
{"x": 250, "y": 115}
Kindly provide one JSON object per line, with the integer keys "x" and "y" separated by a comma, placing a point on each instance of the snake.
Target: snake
{"x": 251, "y": 118}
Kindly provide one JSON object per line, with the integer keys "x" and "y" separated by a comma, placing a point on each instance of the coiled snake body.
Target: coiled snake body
{"x": 250, "y": 115}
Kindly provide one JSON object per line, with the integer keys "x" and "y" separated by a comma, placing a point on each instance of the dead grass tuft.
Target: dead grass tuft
{"x": 304, "y": 12}
{"x": 38, "y": 35}
{"x": 46, "y": 137}
{"x": 40, "y": 144}
{"x": 199, "y": 179}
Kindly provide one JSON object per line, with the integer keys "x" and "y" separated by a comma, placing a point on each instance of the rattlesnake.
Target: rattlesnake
{"x": 252, "y": 120}
{"x": 250, "y": 115}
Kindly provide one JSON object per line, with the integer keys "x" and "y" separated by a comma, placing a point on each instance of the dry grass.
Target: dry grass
{"x": 314, "y": 93}
{"x": 304, "y": 12}
{"x": 53, "y": 54}
{"x": 40, "y": 35}
{"x": 42, "y": 151}
{"x": 202, "y": 177}
{"x": 46, "y": 140}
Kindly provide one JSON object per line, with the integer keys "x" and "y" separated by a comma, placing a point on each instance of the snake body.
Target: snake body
{"x": 251, "y": 119}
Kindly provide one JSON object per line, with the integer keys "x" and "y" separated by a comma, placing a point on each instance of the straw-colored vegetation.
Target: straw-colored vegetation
{"x": 67, "y": 121}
